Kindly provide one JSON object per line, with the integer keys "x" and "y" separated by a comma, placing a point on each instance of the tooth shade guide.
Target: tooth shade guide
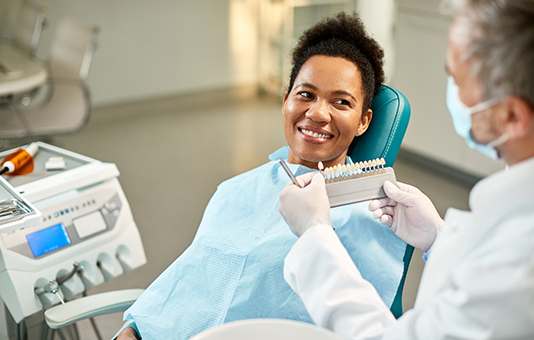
{"x": 342, "y": 172}
{"x": 357, "y": 182}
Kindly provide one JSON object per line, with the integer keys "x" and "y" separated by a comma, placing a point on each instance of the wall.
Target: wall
{"x": 153, "y": 49}
{"x": 379, "y": 19}
{"x": 421, "y": 45}
{"x": 150, "y": 49}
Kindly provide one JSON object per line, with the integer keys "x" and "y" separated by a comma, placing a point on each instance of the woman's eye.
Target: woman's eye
{"x": 342, "y": 102}
{"x": 305, "y": 95}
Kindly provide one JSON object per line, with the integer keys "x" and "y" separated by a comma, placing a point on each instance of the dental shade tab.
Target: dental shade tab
{"x": 357, "y": 182}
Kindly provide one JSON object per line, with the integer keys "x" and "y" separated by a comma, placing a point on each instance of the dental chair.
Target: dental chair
{"x": 391, "y": 114}
{"x": 383, "y": 138}
{"x": 267, "y": 329}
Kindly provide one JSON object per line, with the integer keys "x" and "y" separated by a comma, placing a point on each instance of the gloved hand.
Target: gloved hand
{"x": 409, "y": 213}
{"x": 304, "y": 208}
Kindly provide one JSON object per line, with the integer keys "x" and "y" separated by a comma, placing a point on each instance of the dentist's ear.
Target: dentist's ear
{"x": 519, "y": 120}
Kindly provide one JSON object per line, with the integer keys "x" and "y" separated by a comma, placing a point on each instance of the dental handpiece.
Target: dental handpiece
{"x": 289, "y": 173}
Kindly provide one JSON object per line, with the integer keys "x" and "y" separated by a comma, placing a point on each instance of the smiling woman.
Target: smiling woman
{"x": 324, "y": 111}
{"x": 337, "y": 69}
{"x": 233, "y": 269}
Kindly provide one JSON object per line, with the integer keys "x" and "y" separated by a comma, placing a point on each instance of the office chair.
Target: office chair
{"x": 63, "y": 104}
{"x": 30, "y": 24}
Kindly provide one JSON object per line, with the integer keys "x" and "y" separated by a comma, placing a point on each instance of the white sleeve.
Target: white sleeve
{"x": 319, "y": 269}
{"x": 488, "y": 296}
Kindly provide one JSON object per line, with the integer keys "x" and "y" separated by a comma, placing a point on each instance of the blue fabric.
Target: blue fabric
{"x": 233, "y": 269}
{"x": 427, "y": 254}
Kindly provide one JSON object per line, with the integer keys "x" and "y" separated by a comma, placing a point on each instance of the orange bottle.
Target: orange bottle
{"x": 19, "y": 162}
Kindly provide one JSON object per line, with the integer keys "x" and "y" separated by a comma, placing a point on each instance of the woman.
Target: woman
{"x": 234, "y": 267}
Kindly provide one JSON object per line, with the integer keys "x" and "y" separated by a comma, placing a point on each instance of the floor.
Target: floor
{"x": 172, "y": 153}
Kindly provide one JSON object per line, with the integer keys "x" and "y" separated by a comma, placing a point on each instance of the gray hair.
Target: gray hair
{"x": 500, "y": 44}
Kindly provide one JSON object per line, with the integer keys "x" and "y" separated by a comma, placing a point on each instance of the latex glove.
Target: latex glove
{"x": 304, "y": 208}
{"x": 409, "y": 213}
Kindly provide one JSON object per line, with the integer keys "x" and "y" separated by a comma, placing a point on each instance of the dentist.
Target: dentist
{"x": 478, "y": 282}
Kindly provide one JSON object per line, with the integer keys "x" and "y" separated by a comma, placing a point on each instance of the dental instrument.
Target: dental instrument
{"x": 289, "y": 173}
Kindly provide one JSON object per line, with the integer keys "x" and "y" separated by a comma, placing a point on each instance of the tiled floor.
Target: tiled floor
{"x": 171, "y": 158}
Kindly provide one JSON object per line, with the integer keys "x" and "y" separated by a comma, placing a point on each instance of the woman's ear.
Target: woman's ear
{"x": 365, "y": 120}
{"x": 284, "y": 101}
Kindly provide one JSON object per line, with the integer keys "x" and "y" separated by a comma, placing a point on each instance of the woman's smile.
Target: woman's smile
{"x": 314, "y": 135}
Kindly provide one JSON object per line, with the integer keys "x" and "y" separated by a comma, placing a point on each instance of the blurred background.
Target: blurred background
{"x": 184, "y": 94}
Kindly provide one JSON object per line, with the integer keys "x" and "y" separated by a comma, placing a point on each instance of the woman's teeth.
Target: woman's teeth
{"x": 315, "y": 134}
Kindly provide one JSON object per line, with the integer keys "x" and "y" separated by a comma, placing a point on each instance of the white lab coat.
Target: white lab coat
{"x": 478, "y": 282}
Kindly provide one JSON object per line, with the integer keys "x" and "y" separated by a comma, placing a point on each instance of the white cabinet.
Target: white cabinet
{"x": 421, "y": 44}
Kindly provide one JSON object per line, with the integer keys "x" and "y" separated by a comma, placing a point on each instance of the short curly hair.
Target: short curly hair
{"x": 344, "y": 36}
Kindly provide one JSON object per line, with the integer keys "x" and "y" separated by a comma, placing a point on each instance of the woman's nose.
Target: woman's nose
{"x": 319, "y": 112}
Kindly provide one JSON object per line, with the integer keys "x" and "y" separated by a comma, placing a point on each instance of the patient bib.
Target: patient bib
{"x": 233, "y": 269}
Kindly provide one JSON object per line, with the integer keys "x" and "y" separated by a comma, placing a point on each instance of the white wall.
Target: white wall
{"x": 421, "y": 45}
{"x": 379, "y": 19}
{"x": 155, "y": 48}
{"x": 150, "y": 49}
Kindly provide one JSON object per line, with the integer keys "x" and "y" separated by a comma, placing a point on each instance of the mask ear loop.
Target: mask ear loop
{"x": 482, "y": 106}
{"x": 503, "y": 138}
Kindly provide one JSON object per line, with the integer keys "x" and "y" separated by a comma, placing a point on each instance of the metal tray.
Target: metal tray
{"x": 15, "y": 211}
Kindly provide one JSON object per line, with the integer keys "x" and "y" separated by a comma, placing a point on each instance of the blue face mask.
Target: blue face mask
{"x": 461, "y": 118}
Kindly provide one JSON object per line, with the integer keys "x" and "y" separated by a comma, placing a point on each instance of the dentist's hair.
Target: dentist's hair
{"x": 499, "y": 44}
{"x": 342, "y": 36}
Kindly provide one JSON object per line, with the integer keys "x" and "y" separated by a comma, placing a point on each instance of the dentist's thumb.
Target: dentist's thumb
{"x": 400, "y": 193}
{"x": 318, "y": 181}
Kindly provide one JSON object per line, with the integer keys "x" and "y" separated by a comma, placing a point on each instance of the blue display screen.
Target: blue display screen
{"x": 46, "y": 240}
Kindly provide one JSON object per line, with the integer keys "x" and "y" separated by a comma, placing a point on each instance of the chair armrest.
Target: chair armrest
{"x": 91, "y": 306}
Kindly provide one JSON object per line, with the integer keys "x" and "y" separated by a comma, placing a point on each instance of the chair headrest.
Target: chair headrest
{"x": 391, "y": 114}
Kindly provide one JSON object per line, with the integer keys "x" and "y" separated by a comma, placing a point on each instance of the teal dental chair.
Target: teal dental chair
{"x": 391, "y": 113}
{"x": 383, "y": 138}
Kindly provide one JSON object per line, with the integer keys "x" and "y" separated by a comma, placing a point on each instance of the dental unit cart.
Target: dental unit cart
{"x": 78, "y": 232}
